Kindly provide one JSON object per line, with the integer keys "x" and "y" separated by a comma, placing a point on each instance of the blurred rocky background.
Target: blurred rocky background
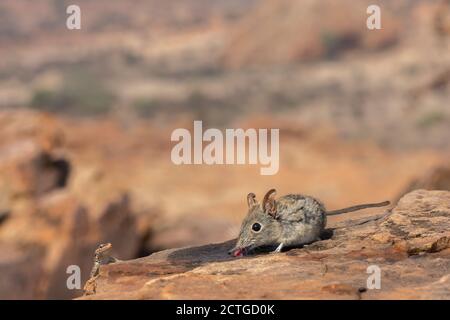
{"x": 86, "y": 118}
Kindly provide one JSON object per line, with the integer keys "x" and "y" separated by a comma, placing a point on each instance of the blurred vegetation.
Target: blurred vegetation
{"x": 431, "y": 119}
{"x": 335, "y": 43}
{"x": 81, "y": 93}
{"x": 147, "y": 107}
{"x": 214, "y": 110}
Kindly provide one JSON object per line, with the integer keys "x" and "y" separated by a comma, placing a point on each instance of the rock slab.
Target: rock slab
{"x": 410, "y": 244}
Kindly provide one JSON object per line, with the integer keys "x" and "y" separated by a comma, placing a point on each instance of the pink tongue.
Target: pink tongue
{"x": 238, "y": 253}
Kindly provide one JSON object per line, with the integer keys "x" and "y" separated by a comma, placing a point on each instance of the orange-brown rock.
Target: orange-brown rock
{"x": 437, "y": 178}
{"x": 30, "y": 160}
{"x": 58, "y": 231}
{"x": 45, "y": 226}
{"x": 21, "y": 269}
{"x": 410, "y": 244}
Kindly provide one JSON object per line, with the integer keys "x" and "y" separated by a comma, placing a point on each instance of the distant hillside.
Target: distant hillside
{"x": 21, "y": 19}
{"x": 283, "y": 31}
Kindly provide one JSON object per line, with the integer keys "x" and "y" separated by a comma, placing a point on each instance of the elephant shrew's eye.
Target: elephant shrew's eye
{"x": 256, "y": 227}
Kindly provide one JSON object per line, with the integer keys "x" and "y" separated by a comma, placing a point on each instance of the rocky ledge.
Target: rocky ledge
{"x": 409, "y": 243}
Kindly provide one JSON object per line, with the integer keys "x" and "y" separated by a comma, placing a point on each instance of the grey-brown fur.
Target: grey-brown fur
{"x": 292, "y": 220}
